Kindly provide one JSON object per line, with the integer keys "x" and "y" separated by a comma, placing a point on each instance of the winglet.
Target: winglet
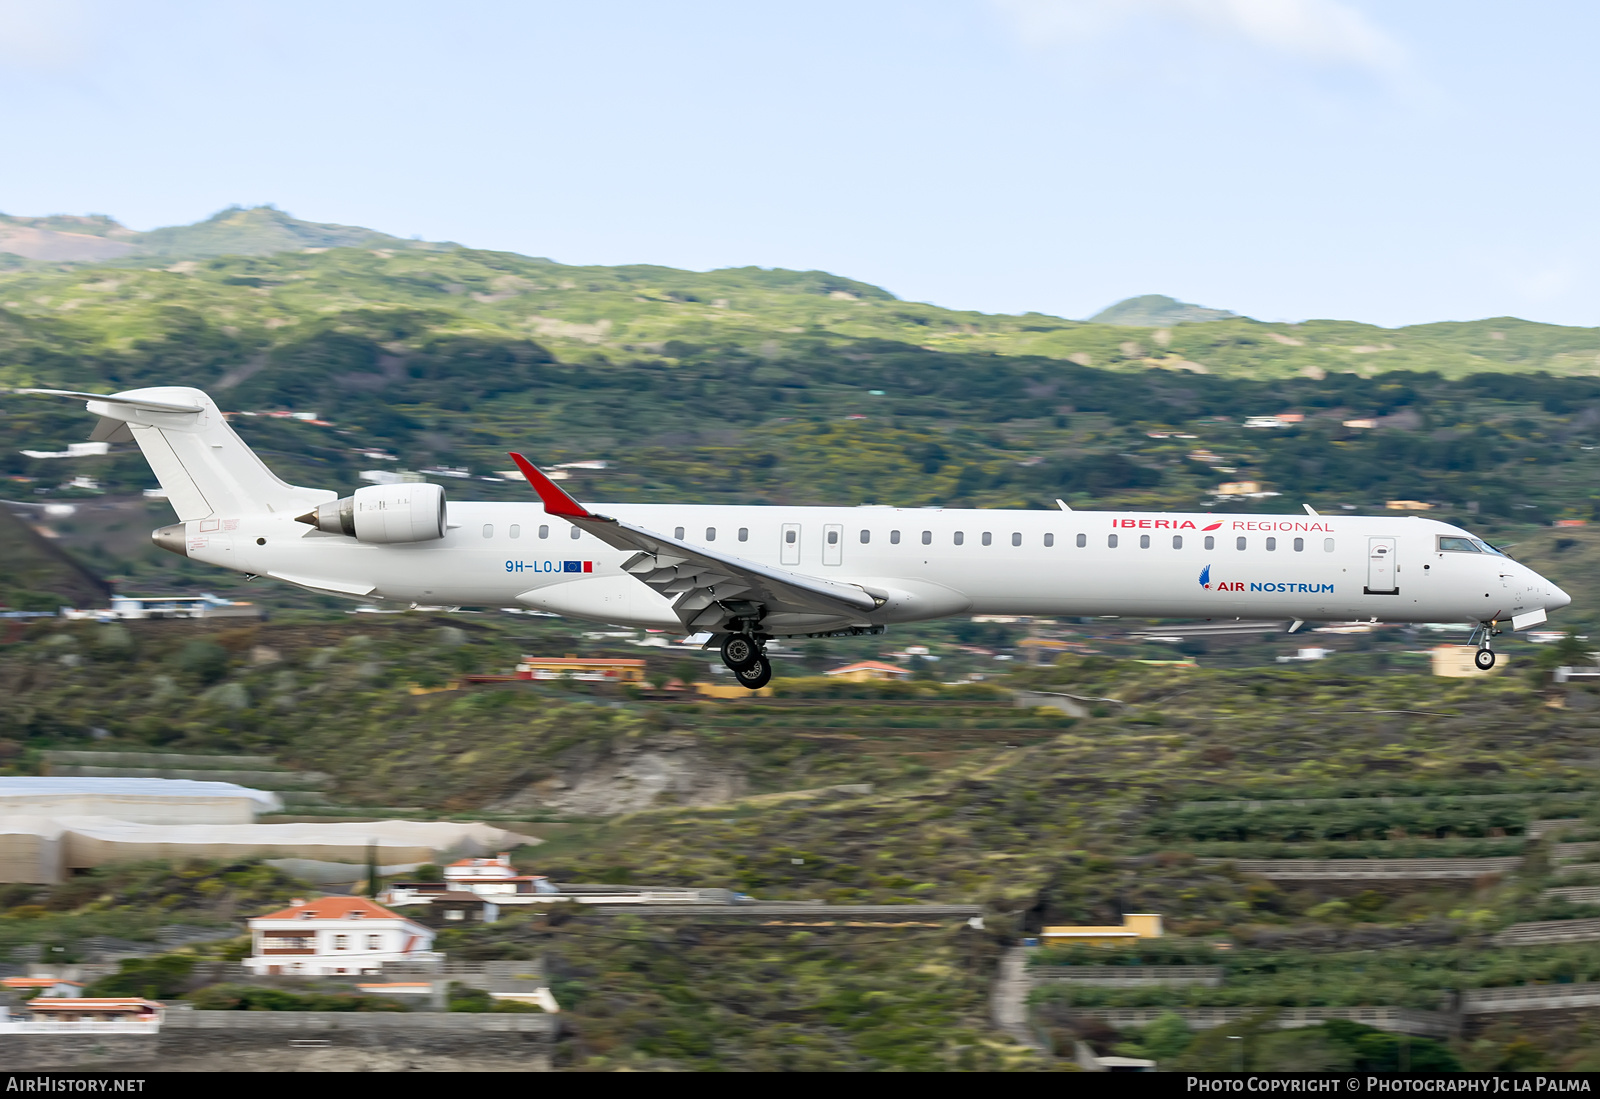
{"x": 556, "y": 502}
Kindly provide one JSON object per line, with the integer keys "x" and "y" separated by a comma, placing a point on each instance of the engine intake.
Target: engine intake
{"x": 383, "y": 513}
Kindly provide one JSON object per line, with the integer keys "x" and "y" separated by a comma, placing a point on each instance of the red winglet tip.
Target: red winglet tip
{"x": 556, "y": 502}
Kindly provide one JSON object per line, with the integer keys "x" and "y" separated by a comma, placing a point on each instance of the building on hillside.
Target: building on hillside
{"x": 484, "y": 877}
{"x": 43, "y": 986}
{"x": 457, "y": 906}
{"x": 868, "y": 670}
{"x": 1407, "y": 505}
{"x": 94, "y": 1009}
{"x": 334, "y": 935}
{"x": 583, "y": 669}
{"x": 1135, "y": 926}
{"x": 1238, "y": 488}
{"x": 1456, "y": 662}
{"x": 141, "y": 607}
{"x": 730, "y": 690}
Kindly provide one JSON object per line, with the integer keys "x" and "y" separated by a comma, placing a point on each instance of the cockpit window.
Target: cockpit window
{"x": 1458, "y": 545}
{"x": 1487, "y": 548}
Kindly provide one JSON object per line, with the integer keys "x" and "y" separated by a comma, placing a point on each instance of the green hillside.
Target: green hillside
{"x": 1038, "y": 817}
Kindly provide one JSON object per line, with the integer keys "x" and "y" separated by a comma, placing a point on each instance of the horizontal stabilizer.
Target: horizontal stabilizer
{"x": 112, "y": 398}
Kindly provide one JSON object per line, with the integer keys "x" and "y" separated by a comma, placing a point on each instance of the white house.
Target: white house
{"x": 493, "y": 877}
{"x": 335, "y": 935}
{"x": 487, "y": 876}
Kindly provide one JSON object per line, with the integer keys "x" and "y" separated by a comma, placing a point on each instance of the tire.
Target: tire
{"x": 1484, "y": 659}
{"x": 739, "y": 651}
{"x": 757, "y": 676}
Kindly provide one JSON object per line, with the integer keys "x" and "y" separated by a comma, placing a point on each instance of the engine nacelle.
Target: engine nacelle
{"x": 384, "y": 513}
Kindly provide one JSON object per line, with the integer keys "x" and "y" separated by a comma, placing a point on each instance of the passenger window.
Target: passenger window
{"x": 866, "y": 536}
{"x": 961, "y": 537}
{"x": 1111, "y": 541}
{"x": 927, "y": 537}
{"x": 833, "y": 538}
{"x": 677, "y": 532}
{"x": 515, "y": 531}
{"x": 894, "y": 538}
{"x": 988, "y": 539}
{"x": 1272, "y": 545}
{"x": 488, "y": 530}
{"x": 744, "y": 534}
{"x": 1049, "y": 540}
{"x": 1238, "y": 543}
{"x": 576, "y": 534}
{"x": 1016, "y": 538}
{"x": 790, "y": 536}
{"x": 1177, "y": 541}
{"x": 544, "y": 530}
{"x": 1211, "y": 543}
{"x": 1144, "y": 541}
{"x": 1083, "y": 540}
{"x": 1457, "y": 545}
{"x": 1299, "y": 545}
{"x": 711, "y": 534}
{"x": 1327, "y": 545}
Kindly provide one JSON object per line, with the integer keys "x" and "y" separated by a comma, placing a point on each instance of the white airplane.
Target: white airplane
{"x": 744, "y": 575}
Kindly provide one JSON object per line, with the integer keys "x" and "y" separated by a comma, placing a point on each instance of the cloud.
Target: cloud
{"x": 1327, "y": 32}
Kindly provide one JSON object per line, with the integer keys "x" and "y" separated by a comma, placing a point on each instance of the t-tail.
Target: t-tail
{"x": 205, "y": 469}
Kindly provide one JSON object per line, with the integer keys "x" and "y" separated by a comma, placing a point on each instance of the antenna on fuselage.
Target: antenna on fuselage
{"x": 1309, "y": 509}
{"x": 1062, "y": 504}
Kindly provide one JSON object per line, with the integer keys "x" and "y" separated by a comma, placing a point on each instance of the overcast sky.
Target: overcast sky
{"x": 1410, "y": 161}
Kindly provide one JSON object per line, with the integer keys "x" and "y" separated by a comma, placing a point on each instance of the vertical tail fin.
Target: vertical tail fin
{"x": 201, "y": 462}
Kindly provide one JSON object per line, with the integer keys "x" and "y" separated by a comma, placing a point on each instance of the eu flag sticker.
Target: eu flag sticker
{"x": 577, "y": 566}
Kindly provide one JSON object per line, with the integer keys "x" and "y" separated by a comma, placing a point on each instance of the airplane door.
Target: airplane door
{"x": 832, "y": 544}
{"x": 1381, "y": 567}
{"x": 789, "y": 549}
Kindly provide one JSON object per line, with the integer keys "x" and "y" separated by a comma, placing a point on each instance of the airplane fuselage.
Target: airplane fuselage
{"x": 928, "y": 563}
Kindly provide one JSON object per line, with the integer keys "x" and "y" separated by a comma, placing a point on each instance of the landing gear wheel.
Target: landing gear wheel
{"x": 1484, "y": 659}
{"x": 757, "y": 676}
{"x": 740, "y": 651}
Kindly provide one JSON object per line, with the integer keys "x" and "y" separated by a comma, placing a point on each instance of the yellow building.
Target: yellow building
{"x": 580, "y": 668}
{"x": 1455, "y": 661}
{"x": 1135, "y": 925}
{"x": 730, "y": 690}
{"x": 1408, "y": 505}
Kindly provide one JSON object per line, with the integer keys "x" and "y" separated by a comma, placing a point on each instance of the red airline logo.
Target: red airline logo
{"x": 1238, "y": 524}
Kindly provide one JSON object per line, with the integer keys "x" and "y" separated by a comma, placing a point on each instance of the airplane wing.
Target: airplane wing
{"x": 706, "y": 587}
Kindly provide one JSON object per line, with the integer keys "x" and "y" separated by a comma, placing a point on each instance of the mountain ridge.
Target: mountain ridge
{"x": 236, "y": 231}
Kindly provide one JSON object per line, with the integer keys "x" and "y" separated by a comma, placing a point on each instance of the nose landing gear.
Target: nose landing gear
{"x": 1484, "y": 657}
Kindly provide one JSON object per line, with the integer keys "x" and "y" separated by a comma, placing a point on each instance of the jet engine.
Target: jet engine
{"x": 384, "y": 513}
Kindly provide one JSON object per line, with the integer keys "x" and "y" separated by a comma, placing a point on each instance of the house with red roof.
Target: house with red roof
{"x": 867, "y": 670}
{"x": 333, "y": 935}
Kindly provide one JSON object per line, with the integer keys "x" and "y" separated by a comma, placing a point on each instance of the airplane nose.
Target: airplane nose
{"x": 1556, "y": 599}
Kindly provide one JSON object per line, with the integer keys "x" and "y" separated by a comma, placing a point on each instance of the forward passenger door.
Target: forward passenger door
{"x": 1381, "y": 567}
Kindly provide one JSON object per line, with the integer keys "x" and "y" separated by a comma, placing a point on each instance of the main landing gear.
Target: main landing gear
{"x": 746, "y": 657}
{"x": 1484, "y": 657}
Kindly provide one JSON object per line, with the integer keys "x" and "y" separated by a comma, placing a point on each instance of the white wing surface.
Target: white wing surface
{"x": 706, "y": 588}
